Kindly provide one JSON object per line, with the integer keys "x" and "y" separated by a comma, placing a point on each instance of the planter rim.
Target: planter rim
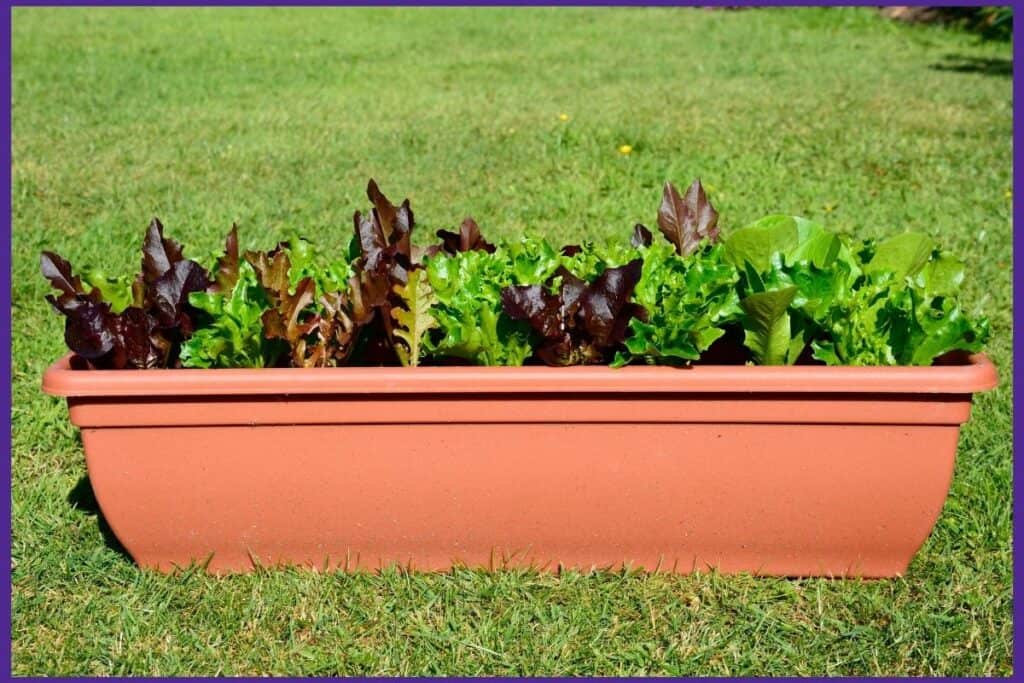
{"x": 975, "y": 373}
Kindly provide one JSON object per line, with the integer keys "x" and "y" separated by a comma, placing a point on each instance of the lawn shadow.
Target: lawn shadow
{"x": 966, "y": 64}
{"x": 83, "y": 499}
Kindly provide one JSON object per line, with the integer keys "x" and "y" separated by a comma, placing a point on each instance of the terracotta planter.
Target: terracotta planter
{"x": 770, "y": 470}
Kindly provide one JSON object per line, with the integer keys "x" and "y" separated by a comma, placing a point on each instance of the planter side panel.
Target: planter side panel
{"x": 773, "y": 498}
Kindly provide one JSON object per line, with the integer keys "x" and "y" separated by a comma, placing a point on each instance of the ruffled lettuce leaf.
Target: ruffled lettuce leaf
{"x": 382, "y": 264}
{"x": 318, "y": 332}
{"x": 689, "y": 300}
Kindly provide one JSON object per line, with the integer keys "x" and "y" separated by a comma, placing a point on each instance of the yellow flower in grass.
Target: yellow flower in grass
{"x": 625, "y": 150}
{"x": 563, "y": 117}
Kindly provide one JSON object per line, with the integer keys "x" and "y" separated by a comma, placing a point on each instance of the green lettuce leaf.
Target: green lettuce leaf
{"x": 231, "y": 333}
{"x": 414, "y": 320}
{"x": 766, "y": 322}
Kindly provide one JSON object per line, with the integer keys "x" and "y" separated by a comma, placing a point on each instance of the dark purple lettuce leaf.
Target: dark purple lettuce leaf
{"x": 571, "y": 249}
{"x": 140, "y": 342}
{"x": 225, "y": 273}
{"x": 158, "y": 253}
{"x": 578, "y": 323}
{"x": 386, "y": 232}
{"x": 385, "y": 235}
{"x": 534, "y": 305}
{"x": 468, "y": 238}
{"x": 371, "y": 238}
{"x": 90, "y": 329}
{"x": 168, "y": 296}
{"x": 686, "y": 221}
{"x": 58, "y": 272}
{"x": 88, "y": 326}
{"x": 116, "y": 341}
{"x": 605, "y": 305}
{"x": 377, "y": 253}
{"x": 641, "y": 237}
{"x": 395, "y": 222}
{"x": 168, "y": 278}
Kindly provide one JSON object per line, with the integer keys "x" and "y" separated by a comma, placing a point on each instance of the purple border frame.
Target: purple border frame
{"x": 1018, "y": 323}
{"x": 6, "y": 209}
{"x": 485, "y": 3}
{"x": 5, "y": 320}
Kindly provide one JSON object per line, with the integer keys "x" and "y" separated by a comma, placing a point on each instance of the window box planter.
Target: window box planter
{"x": 800, "y": 471}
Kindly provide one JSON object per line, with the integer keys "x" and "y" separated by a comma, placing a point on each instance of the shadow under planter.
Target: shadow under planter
{"x": 83, "y": 499}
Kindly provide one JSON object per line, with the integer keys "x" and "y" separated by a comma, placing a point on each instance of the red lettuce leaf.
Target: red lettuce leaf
{"x": 289, "y": 321}
{"x": 468, "y": 238}
{"x": 641, "y": 237}
{"x": 385, "y": 259}
{"x": 385, "y": 235}
{"x": 316, "y": 336}
{"x": 58, "y": 272}
{"x": 395, "y": 222}
{"x": 168, "y": 296}
{"x": 158, "y": 253}
{"x": 605, "y": 306}
{"x": 91, "y": 329}
{"x": 686, "y": 221}
{"x": 226, "y": 270}
{"x": 336, "y": 330}
{"x": 141, "y": 344}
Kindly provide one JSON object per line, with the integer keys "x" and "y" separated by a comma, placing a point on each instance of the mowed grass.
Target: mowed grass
{"x": 276, "y": 119}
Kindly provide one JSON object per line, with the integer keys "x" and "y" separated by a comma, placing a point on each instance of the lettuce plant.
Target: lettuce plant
{"x": 805, "y": 292}
{"x": 230, "y": 334}
{"x": 904, "y": 311}
{"x": 577, "y": 322}
{"x": 148, "y": 332}
{"x": 471, "y": 324}
{"x": 687, "y": 289}
{"x": 791, "y": 272}
{"x": 689, "y": 300}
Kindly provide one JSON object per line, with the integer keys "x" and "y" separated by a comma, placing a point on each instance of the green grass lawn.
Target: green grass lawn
{"x": 276, "y": 118}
